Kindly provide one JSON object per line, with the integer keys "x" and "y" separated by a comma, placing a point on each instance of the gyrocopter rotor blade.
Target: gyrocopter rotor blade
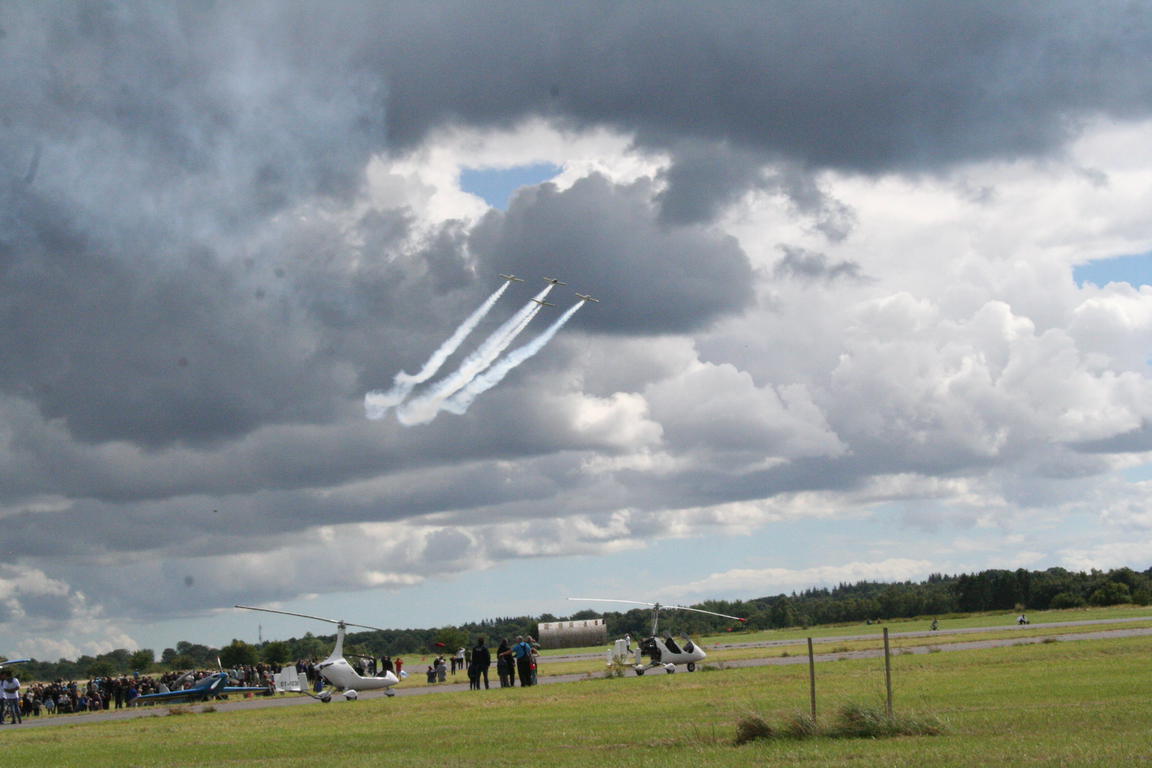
{"x": 656, "y": 608}
{"x": 307, "y": 616}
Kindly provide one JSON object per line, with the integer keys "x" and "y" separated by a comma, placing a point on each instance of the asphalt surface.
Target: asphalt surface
{"x": 260, "y": 702}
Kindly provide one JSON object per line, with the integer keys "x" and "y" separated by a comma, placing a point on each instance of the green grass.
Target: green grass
{"x": 1002, "y": 620}
{"x": 1085, "y": 703}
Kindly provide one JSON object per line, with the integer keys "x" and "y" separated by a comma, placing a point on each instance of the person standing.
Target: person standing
{"x": 10, "y": 690}
{"x": 481, "y": 660}
{"x": 503, "y": 662}
{"x": 441, "y": 669}
{"x": 523, "y": 653}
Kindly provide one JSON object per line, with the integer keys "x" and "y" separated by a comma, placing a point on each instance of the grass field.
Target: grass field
{"x": 1083, "y": 703}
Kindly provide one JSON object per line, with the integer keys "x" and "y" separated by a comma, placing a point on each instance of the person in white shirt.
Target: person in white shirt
{"x": 10, "y": 691}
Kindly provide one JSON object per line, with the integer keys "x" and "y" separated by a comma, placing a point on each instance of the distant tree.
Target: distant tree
{"x": 1111, "y": 593}
{"x": 202, "y": 655}
{"x": 452, "y": 638}
{"x": 182, "y": 661}
{"x": 238, "y": 654}
{"x": 99, "y": 668}
{"x": 117, "y": 658}
{"x": 784, "y": 613}
{"x": 142, "y": 660}
{"x": 312, "y": 647}
{"x": 1067, "y": 600}
{"x": 276, "y": 652}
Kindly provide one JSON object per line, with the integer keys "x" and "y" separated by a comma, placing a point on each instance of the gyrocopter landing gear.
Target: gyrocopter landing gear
{"x": 690, "y": 667}
{"x": 639, "y": 671}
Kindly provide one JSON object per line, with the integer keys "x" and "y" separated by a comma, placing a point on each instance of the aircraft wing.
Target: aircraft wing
{"x": 186, "y": 695}
{"x": 196, "y": 694}
{"x": 13, "y": 661}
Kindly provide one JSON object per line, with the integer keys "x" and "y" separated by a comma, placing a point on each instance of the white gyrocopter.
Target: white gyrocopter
{"x": 335, "y": 669}
{"x": 663, "y": 652}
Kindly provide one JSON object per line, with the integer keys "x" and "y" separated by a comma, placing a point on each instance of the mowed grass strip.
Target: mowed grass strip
{"x": 993, "y": 622}
{"x": 1083, "y": 703}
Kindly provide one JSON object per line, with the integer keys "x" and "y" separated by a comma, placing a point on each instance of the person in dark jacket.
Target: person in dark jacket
{"x": 481, "y": 660}
{"x": 504, "y": 664}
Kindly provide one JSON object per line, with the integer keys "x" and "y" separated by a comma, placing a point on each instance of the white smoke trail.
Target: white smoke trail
{"x": 459, "y": 402}
{"x": 423, "y": 409}
{"x": 377, "y": 402}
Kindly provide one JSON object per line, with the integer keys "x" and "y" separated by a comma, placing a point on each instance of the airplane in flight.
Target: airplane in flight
{"x": 209, "y": 687}
{"x": 554, "y": 281}
{"x": 512, "y": 278}
{"x": 543, "y": 303}
{"x": 586, "y": 297}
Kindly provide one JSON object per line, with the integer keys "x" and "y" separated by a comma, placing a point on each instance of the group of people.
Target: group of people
{"x": 517, "y": 660}
{"x": 102, "y": 693}
{"x": 61, "y": 697}
{"x": 365, "y": 666}
{"x": 512, "y": 661}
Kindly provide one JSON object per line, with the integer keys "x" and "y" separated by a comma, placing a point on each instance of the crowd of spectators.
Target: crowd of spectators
{"x": 103, "y": 693}
{"x": 62, "y": 697}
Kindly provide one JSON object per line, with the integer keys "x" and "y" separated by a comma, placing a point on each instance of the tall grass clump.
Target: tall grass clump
{"x": 856, "y": 721}
{"x": 754, "y": 727}
{"x": 852, "y": 721}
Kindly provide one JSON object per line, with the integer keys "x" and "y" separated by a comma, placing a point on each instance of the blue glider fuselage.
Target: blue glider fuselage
{"x": 210, "y": 687}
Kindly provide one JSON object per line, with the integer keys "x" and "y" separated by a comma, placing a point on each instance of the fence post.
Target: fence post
{"x": 888, "y": 671}
{"x": 812, "y": 676}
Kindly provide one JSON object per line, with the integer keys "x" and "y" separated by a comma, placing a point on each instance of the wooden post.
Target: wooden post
{"x": 888, "y": 671}
{"x": 812, "y": 676}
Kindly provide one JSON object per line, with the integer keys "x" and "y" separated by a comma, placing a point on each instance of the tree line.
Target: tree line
{"x": 939, "y": 595}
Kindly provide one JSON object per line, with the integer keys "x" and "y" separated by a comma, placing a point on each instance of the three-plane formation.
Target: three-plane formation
{"x": 480, "y": 370}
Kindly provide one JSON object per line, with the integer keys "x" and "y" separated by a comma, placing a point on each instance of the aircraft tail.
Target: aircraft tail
{"x": 338, "y": 651}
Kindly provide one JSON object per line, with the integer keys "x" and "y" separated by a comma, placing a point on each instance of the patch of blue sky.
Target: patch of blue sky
{"x": 1142, "y": 473}
{"x": 497, "y": 185}
{"x": 1135, "y": 270}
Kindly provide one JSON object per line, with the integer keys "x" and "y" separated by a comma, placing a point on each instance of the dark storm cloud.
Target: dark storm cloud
{"x": 151, "y": 153}
{"x": 607, "y": 240}
{"x": 704, "y": 178}
{"x": 856, "y": 85}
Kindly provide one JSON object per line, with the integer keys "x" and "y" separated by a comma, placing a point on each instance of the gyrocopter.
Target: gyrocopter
{"x": 663, "y": 652}
{"x": 335, "y": 669}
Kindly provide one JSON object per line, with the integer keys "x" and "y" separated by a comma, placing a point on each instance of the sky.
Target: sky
{"x": 874, "y": 281}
